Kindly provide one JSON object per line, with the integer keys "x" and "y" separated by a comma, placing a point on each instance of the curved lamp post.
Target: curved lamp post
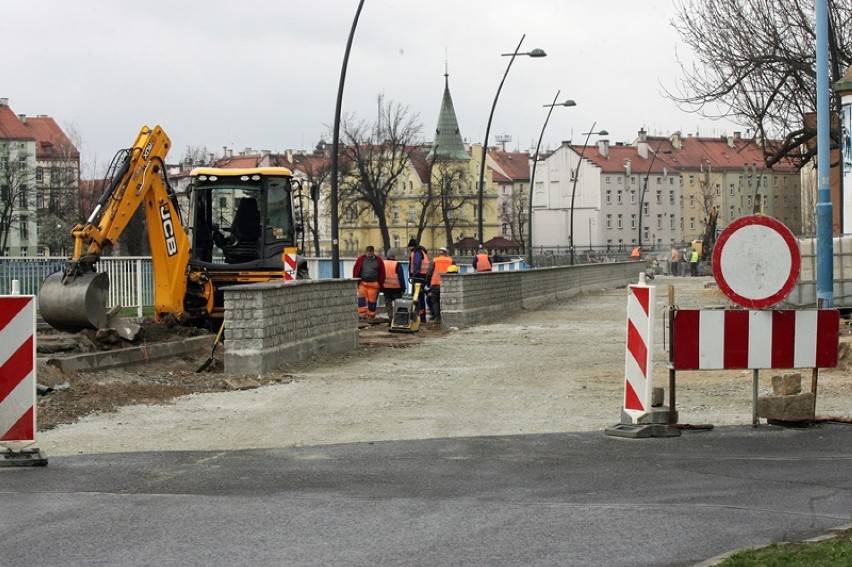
{"x": 574, "y": 186}
{"x": 335, "y": 151}
{"x": 534, "y": 53}
{"x": 550, "y": 107}
{"x": 645, "y": 190}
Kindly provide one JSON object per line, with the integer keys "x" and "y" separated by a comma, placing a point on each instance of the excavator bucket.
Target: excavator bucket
{"x": 74, "y": 303}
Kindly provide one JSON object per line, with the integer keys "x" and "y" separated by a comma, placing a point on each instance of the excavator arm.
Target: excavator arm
{"x": 76, "y": 298}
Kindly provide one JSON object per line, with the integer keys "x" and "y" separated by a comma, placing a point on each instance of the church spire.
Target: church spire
{"x": 448, "y": 142}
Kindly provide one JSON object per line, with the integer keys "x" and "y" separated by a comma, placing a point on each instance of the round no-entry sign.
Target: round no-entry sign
{"x": 756, "y": 261}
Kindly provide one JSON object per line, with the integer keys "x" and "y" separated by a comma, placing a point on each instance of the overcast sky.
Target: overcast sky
{"x": 265, "y": 74}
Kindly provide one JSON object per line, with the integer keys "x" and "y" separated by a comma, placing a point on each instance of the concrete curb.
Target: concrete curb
{"x": 717, "y": 560}
{"x": 134, "y": 355}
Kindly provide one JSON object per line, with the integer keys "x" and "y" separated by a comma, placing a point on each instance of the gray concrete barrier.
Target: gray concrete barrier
{"x": 268, "y": 325}
{"x": 468, "y": 299}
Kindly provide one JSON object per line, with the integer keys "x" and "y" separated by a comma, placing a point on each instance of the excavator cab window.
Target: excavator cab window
{"x": 241, "y": 218}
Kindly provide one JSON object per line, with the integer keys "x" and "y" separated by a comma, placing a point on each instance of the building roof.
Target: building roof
{"x": 11, "y": 126}
{"x": 448, "y": 141}
{"x": 514, "y": 166}
{"x": 238, "y": 162}
{"x": 500, "y": 243}
{"x": 51, "y": 141}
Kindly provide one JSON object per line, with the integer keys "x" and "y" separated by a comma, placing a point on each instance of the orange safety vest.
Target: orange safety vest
{"x": 483, "y": 264}
{"x": 391, "y": 279}
{"x": 441, "y": 265}
{"x": 424, "y": 265}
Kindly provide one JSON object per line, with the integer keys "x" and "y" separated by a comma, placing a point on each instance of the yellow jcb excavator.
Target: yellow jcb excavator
{"x": 241, "y": 225}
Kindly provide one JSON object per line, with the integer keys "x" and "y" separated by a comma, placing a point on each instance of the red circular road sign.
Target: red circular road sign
{"x": 756, "y": 261}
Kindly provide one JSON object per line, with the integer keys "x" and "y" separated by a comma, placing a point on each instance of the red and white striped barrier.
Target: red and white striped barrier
{"x": 290, "y": 267}
{"x": 638, "y": 360}
{"x": 754, "y": 339}
{"x": 17, "y": 370}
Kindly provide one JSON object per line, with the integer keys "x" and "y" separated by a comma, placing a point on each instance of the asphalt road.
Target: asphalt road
{"x": 556, "y": 499}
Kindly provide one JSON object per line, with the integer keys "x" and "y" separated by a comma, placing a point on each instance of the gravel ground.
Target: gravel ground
{"x": 555, "y": 369}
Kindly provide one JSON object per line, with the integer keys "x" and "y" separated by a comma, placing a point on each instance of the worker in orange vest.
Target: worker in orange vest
{"x": 394, "y": 285}
{"x": 482, "y": 261}
{"x": 440, "y": 264}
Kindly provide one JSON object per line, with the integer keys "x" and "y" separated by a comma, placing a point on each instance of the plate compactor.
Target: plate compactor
{"x": 406, "y": 318}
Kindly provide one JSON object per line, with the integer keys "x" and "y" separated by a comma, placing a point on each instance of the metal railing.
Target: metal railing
{"x": 132, "y": 277}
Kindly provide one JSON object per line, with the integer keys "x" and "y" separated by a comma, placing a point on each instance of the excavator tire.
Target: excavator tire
{"x": 75, "y": 304}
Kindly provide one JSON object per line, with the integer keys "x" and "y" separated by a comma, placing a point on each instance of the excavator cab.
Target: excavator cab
{"x": 241, "y": 218}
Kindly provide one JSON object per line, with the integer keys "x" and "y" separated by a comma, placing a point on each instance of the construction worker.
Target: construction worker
{"x": 370, "y": 271}
{"x": 418, "y": 268}
{"x": 674, "y": 261}
{"x": 440, "y": 264}
{"x": 481, "y": 261}
{"x": 693, "y": 262}
{"x": 394, "y": 285}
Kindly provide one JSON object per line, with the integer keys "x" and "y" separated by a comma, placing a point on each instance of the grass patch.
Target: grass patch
{"x": 836, "y": 552}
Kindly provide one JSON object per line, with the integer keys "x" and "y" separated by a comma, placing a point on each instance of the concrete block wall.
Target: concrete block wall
{"x": 468, "y": 299}
{"x": 268, "y": 325}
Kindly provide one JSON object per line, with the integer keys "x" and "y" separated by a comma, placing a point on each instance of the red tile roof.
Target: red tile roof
{"x": 516, "y": 165}
{"x": 11, "y": 127}
{"x": 238, "y": 162}
{"x": 51, "y": 141}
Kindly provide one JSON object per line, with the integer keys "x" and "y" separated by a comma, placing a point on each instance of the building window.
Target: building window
{"x": 692, "y": 201}
{"x": 620, "y": 221}
{"x": 732, "y": 188}
{"x": 619, "y": 179}
{"x": 39, "y": 173}
{"x": 671, "y": 198}
{"x": 691, "y": 223}
{"x": 671, "y": 222}
{"x": 645, "y": 208}
{"x": 618, "y": 197}
{"x": 659, "y": 197}
{"x": 609, "y": 221}
{"x": 731, "y": 214}
{"x": 22, "y": 197}
{"x": 632, "y": 221}
{"x": 633, "y": 197}
{"x": 608, "y": 194}
{"x": 659, "y": 221}
{"x": 24, "y": 227}
{"x": 608, "y": 180}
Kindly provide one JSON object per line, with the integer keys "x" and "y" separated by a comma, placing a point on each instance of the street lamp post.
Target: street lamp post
{"x": 335, "y": 151}
{"x": 550, "y": 107}
{"x": 481, "y": 188}
{"x": 574, "y": 186}
{"x": 645, "y": 190}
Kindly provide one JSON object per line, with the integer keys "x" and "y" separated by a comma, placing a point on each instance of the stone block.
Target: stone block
{"x": 796, "y": 407}
{"x": 657, "y": 396}
{"x": 787, "y": 384}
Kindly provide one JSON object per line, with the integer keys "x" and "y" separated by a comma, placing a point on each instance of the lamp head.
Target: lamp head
{"x": 537, "y": 52}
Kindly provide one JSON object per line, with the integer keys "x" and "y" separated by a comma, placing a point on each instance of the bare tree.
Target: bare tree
{"x": 197, "y": 156}
{"x": 755, "y": 59}
{"x": 516, "y": 216}
{"x": 378, "y": 155}
{"x": 450, "y": 176}
{"x": 58, "y": 175}
{"x": 17, "y": 190}
{"x": 317, "y": 171}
